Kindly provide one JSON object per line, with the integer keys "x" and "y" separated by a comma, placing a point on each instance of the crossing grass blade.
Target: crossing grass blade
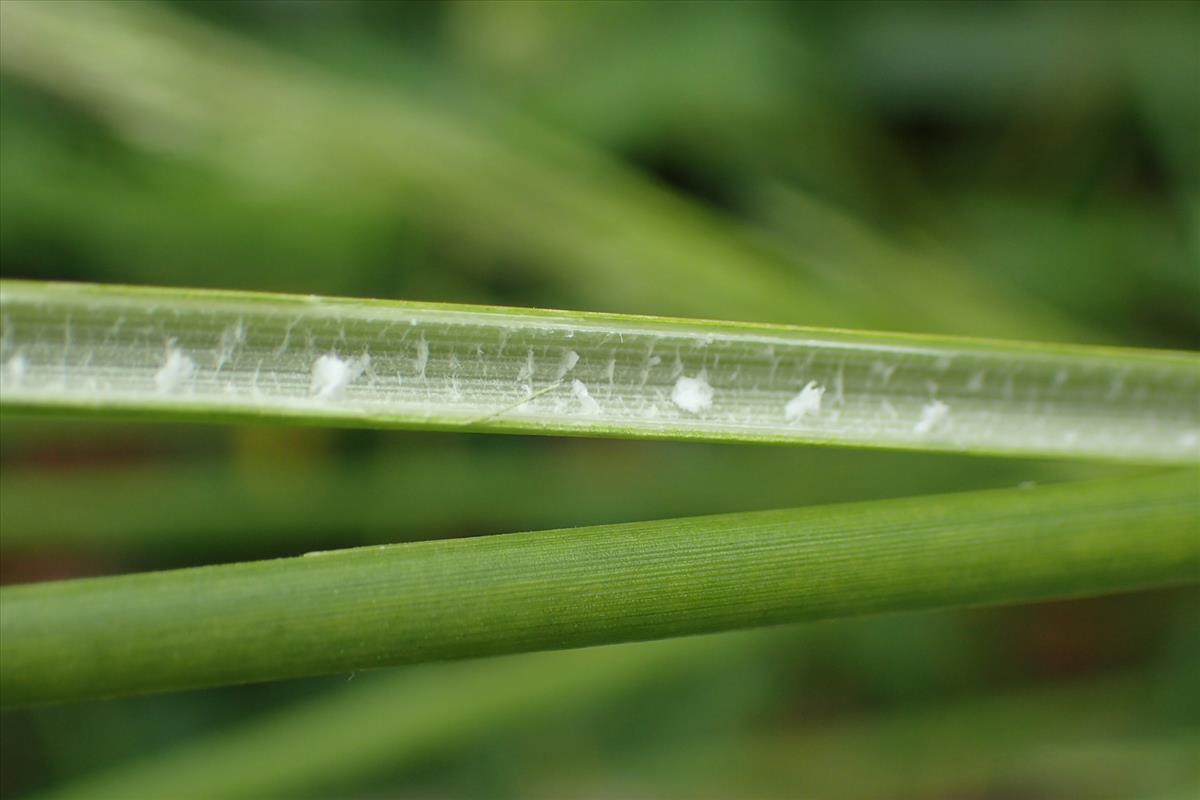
{"x": 379, "y": 606}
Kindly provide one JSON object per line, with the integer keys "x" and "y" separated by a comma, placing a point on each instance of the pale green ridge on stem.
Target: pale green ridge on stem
{"x": 211, "y": 355}
{"x": 379, "y": 606}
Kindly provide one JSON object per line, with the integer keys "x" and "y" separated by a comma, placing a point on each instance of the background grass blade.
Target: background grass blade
{"x": 395, "y": 720}
{"x": 374, "y": 607}
{"x": 450, "y": 163}
{"x": 206, "y": 355}
{"x": 202, "y": 509}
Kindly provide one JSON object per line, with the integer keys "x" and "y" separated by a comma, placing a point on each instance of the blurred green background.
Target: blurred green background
{"x": 1024, "y": 170}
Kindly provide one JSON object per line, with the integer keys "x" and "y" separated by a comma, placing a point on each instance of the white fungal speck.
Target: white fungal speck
{"x": 651, "y": 362}
{"x": 177, "y": 369}
{"x": 569, "y": 359}
{"x": 1189, "y": 440}
{"x": 1117, "y": 386}
{"x": 976, "y": 381}
{"x": 888, "y": 409}
{"x": 931, "y": 415}
{"x": 807, "y": 402}
{"x": 525, "y": 375}
{"x": 331, "y": 375}
{"x": 586, "y": 401}
{"x": 15, "y": 368}
{"x": 692, "y": 394}
{"x": 422, "y": 355}
{"x": 884, "y": 371}
{"x": 231, "y": 338}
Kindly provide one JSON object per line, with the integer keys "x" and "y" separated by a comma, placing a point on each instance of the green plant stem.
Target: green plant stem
{"x": 210, "y": 355}
{"x": 379, "y": 606}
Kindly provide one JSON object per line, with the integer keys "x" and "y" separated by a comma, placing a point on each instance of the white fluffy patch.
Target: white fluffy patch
{"x": 422, "y": 355}
{"x": 331, "y": 375}
{"x": 176, "y": 370}
{"x": 932, "y": 414}
{"x": 14, "y": 369}
{"x": 807, "y": 402}
{"x": 586, "y": 401}
{"x": 525, "y": 375}
{"x": 569, "y": 359}
{"x": 692, "y": 394}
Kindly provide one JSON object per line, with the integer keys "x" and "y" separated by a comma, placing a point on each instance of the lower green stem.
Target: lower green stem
{"x": 426, "y": 601}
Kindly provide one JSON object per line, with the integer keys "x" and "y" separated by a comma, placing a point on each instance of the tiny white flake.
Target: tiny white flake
{"x": 525, "y": 375}
{"x": 692, "y": 394}
{"x": 331, "y": 375}
{"x": 422, "y": 355}
{"x": 231, "y": 338}
{"x": 569, "y": 359}
{"x": 176, "y": 370}
{"x": 884, "y": 371}
{"x": 15, "y": 368}
{"x": 807, "y": 402}
{"x": 586, "y": 401}
{"x": 931, "y": 414}
{"x": 652, "y": 361}
{"x": 1189, "y": 440}
{"x": 677, "y": 367}
{"x": 976, "y": 381}
{"x": 1117, "y": 386}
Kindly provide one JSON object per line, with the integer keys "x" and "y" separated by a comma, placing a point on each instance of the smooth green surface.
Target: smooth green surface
{"x": 204, "y": 355}
{"x": 378, "y": 606}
